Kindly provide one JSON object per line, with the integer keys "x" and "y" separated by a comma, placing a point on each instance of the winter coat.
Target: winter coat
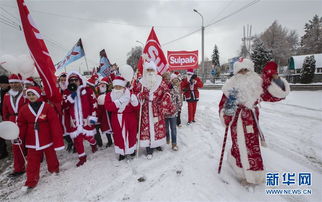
{"x": 176, "y": 100}
{"x": 190, "y": 91}
{"x": 9, "y": 109}
{"x": 80, "y": 111}
{"x": 42, "y": 130}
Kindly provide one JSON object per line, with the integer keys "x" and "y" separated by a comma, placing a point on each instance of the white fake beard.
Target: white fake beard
{"x": 189, "y": 77}
{"x": 249, "y": 88}
{"x": 63, "y": 86}
{"x": 150, "y": 80}
{"x": 117, "y": 93}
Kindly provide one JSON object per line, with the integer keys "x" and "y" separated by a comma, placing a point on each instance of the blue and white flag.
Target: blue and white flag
{"x": 105, "y": 65}
{"x": 73, "y": 55}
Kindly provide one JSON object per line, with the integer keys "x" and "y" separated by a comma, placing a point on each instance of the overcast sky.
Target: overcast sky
{"x": 117, "y": 25}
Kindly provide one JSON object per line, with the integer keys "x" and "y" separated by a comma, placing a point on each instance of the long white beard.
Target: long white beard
{"x": 249, "y": 88}
{"x": 150, "y": 80}
{"x": 116, "y": 94}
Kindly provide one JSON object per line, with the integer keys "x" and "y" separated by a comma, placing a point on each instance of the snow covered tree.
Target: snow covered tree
{"x": 311, "y": 41}
{"x": 215, "y": 57}
{"x": 308, "y": 69}
{"x": 281, "y": 41}
{"x": 260, "y": 55}
{"x": 134, "y": 56}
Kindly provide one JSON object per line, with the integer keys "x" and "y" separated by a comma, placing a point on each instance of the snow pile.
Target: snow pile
{"x": 293, "y": 133}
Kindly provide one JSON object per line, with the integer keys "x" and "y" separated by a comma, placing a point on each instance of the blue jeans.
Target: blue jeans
{"x": 171, "y": 123}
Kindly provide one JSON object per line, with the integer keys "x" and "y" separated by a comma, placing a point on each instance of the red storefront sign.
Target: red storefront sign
{"x": 181, "y": 60}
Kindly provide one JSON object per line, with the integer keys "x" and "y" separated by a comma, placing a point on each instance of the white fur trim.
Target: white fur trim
{"x": 92, "y": 118}
{"x": 59, "y": 148}
{"x": 80, "y": 76}
{"x": 276, "y": 91}
{"x": 254, "y": 177}
{"x": 245, "y": 64}
{"x": 28, "y": 82}
{"x": 101, "y": 99}
{"x": 70, "y": 99}
{"x": 221, "y": 116}
{"x": 39, "y": 148}
{"x": 33, "y": 91}
{"x": 154, "y": 144}
{"x": 118, "y": 150}
{"x": 150, "y": 65}
{"x": 82, "y": 154}
{"x": 118, "y": 82}
{"x": 15, "y": 80}
{"x": 134, "y": 100}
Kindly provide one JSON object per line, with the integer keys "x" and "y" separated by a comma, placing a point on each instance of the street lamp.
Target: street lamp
{"x": 202, "y": 45}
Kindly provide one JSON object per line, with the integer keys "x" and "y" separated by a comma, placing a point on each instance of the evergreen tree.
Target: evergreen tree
{"x": 308, "y": 69}
{"x": 311, "y": 41}
{"x": 134, "y": 57}
{"x": 215, "y": 57}
{"x": 260, "y": 55}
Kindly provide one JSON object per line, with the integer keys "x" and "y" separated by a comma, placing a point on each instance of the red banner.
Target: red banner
{"x": 181, "y": 60}
{"x": 39, "y": 53}
{"x": 153, "y": 51}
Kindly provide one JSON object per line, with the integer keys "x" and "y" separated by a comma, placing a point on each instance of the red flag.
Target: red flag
{"x": 39, "y": 53}
{"x": 154, "y": 52}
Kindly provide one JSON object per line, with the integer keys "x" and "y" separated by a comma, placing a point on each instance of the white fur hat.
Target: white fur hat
{"x": 243, "y": 63}
{"x": 150, "y": 65}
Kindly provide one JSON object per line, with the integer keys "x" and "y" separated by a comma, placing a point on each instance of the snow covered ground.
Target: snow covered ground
{"x": 293, "y": 133}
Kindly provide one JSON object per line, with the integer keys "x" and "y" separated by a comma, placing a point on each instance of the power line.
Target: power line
{"x": 104, "y": 21}
{"x": 182, "y": 37}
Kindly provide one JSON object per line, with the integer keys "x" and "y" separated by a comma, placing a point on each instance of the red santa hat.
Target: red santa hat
{"x": 93, "y": 80}
{"x": 119, "y": 81}
{"x": 35, "y": 90}
{"x": 150, "y": 65}
{"x": 243, "y": 63}
{"x": 190, "y": 72}
{"x": 15, "y": 78}
{"x": 105, "y": 80}
{"x": 29, "y": 80}
{"x": 270, "y": 69}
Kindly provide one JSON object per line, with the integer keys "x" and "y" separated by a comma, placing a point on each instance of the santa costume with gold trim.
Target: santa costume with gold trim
{"x": 245, "y": 155}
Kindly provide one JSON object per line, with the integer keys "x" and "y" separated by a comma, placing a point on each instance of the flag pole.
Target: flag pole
{"x": 86, "y": 61}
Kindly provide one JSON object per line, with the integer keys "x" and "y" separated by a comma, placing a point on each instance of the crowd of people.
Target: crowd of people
{"x": 142, "y": 113}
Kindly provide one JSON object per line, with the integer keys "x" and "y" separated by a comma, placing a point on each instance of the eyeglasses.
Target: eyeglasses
{"x": 73, "y": 80}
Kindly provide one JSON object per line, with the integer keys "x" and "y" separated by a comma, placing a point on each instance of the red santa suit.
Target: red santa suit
{"x": 102, "y": 113}
{"x": 191, "y": 93}
{"x": 245, "y": 155}
{"x": 41, "y": 135}
{"x": 156, "y": 104}
{"x": 10, "y": 111}
{"x": 82, "y": 110}
{"x": 123, "y": 107}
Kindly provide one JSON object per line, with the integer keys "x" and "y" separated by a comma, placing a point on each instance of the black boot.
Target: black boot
{"x": 121, "y": 157}
{"x": 109, "y": 140}
{"x": 16, "y": 174}
{"x": 98, "y": 138}
{"x": 70, "y": 143}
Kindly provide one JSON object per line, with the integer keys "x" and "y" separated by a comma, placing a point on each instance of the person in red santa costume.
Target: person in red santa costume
{"x": 123, "y": 105}
{"x": 80, "y": 101}
{"x": 239, "y": 111}
{"x": 103, "y": 115}
{"x": 62, "y": 84}
{"x": 190, "y": 86}
{"x": 37, "y": 123}
{"x": 12, "y": 103}
{"x": 156, "y": 103}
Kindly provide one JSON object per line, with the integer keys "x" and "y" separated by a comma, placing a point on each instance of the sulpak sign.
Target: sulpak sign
{"x": 181, "y": 60}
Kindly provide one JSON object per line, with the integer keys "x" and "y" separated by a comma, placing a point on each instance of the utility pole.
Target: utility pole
{"x": 202, "y": 46}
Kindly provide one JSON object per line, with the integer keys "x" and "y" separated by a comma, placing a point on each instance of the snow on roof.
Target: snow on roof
{"x": 296, "y": 62}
